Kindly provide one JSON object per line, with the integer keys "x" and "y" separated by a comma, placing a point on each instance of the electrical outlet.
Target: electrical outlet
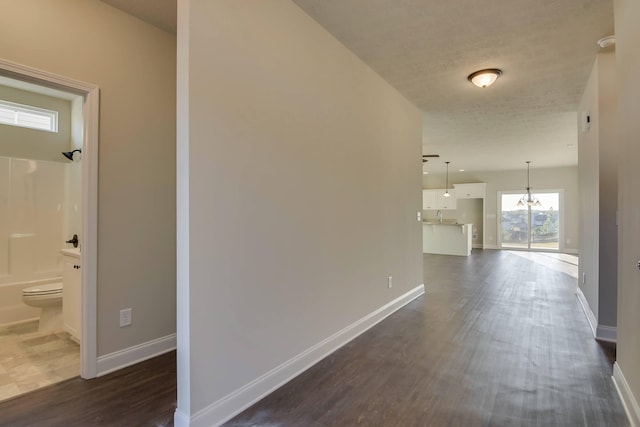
{"x": 125, "y": 317}
{"x": 390, "y": 282}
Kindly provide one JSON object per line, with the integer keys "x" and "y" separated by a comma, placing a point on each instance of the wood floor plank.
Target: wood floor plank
{"x": 497, "y": 340}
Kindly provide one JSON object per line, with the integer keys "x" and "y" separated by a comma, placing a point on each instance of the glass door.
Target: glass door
{"x": 530, "y": 227}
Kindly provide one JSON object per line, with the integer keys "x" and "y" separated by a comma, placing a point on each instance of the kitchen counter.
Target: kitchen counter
{"x": 446, "y": 238}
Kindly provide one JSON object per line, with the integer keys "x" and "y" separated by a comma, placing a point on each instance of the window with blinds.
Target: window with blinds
{"x": 27, "y": 116}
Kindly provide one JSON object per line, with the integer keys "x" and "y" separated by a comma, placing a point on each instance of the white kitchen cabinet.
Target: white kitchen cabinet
{"x": 435, "y": 200}
{"x": 71, "y": 293}
{"x": 471, "y": 191}
{"x": 429, "y": 199}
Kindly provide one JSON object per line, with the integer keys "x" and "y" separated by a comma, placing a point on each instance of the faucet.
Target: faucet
{"x": 439, "y": 215}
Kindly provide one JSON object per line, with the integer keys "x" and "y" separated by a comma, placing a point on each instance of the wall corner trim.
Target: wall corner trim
{"x": 180, "y": 419}
{"x": 629, "y": 401}
{"x": 591, "y": 318}
{"x": 130, "y": 356}
{"x": 600, "y": 332}
{"x": 607, "y": 333}
{"x": 229, "y": 406}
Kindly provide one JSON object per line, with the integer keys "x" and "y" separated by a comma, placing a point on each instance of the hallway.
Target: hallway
{"x": 499, "y": 339}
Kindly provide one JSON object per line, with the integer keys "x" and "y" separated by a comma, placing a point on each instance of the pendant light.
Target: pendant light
{"x": 446, "y": 186}
{"x": 528, "y": 198}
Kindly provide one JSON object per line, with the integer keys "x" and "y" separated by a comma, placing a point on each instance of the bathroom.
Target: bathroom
{"x": 40, "y": 210}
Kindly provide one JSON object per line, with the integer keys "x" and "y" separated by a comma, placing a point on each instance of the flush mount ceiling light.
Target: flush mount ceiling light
{"x": 484, "y": 78}
{"x": 607, "y": 41}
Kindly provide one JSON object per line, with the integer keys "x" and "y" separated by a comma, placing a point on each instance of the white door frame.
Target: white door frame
{"x": 89, "y": 253}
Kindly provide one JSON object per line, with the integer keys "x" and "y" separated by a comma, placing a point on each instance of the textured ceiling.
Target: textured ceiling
{"x": 427, "y": 48}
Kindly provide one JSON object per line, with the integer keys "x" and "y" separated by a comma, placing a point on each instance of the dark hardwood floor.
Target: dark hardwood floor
{"x": 498, "y": 340}
{"x": 140, "y": 395}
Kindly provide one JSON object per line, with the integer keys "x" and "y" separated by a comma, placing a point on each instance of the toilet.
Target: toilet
{"x": 48, "y": 298}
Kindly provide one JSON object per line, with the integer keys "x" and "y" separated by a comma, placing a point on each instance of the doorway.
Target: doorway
{"x": 525, "y": 226}
{"x": 88, "y": 255}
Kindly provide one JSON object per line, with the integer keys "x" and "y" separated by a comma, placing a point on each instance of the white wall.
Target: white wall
{"x": 565, "y": 178}
{"x": 300, "y": 182}
{"x": 133, "y": 63}
{"x": 589, "y": 184}
{"x": 627, "y": 14}
{"x": 598, "y": 188}
{"x": 469, "y": 211}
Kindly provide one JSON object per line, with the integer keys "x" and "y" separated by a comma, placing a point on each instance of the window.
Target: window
{"x": 27, "y": 116}
{"x": 531, "y": 227}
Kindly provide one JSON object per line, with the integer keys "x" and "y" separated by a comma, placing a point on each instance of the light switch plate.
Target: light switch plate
{"x": 125, "y": 317}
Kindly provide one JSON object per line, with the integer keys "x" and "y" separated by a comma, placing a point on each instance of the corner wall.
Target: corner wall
{"x": 627, "y": 369}
{"x": 300, "y": 176}
{"x": 598, "y": 186}
{"x": 133, "y": 63}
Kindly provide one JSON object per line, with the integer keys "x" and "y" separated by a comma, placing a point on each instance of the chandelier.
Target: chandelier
{"x": 528, "y": 198}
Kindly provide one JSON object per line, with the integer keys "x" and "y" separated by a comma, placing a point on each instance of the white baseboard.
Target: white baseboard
{"x": 591, "y": 318}
{"x": 231, "y": 405}
{"x": 490, "y": 247}
{"x": 132, "y": 355}
{"x": 628, "y": 399}
{"x": 607, "y": 333}
{"x": 476, "y": 246}
{"x": 570, "y": 251}
{"x": 180, "y": 419}
{"x": 600, "y": 332}
{"x": 18, "y": 322}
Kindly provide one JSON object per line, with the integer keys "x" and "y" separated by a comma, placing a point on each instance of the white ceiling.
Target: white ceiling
{"x": 427, "y": 48}
{"x": 161, "y": 13}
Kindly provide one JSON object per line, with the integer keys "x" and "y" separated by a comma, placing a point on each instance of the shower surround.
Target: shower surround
{"x": 38, "y": 210}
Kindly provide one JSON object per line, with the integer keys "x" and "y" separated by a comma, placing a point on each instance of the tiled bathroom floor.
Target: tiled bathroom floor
{"x": 30, "y": 360}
